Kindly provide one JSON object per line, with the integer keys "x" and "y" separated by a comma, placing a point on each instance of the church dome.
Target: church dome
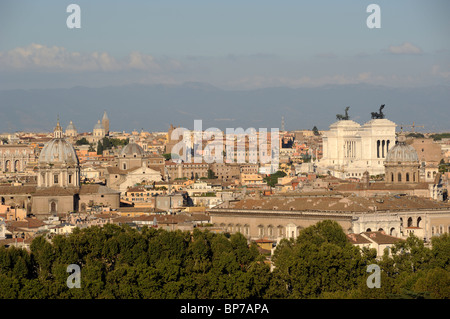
{"x": 98, "y": 126}
{"x": 70, "y": 127}
{"x": 132, "y": 149}
{"x": 58, "y": 150}
{"x": 402, "y": 152}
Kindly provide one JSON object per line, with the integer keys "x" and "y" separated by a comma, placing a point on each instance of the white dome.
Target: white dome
{"x": 98, "y": 126}
{"x": 402, "y": 152}
{"x": 58, "y": 150}
{"x": 132, "y": 149}
{"x": 71, "y": 126}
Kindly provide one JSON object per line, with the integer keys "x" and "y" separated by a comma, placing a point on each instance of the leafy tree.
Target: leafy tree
{"x": 321, "y": 260}
{"x": 99, "y": 148}
{"x": 435, "y": 284}
{"x": 211, "y": 174}
{"x": 272, "y": 179}
{"x": 82, "y": 141}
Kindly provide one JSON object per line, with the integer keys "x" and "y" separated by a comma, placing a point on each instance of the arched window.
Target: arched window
{"x": 410, "y": 222}
{"x": 260, "y": 230}
{"x": 407, "y": 177}
{"x": 392, "y": 177}
{"x": 378, "y": 149}
{"x": 368, "y": 229}
{"x": 270, "y": 230}
{"x": 401, "y": 221}
{"x": 53, "y": 207}
{"x": 414, "y": 177}
{"x": 399, "y": 177}
{"x": 392, "y": 232}
{"x": 16, "y": 166}
{"x": 418, "y": 221}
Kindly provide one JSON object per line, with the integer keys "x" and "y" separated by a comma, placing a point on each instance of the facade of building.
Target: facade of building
{"x": 186, "y": 170}
{"x": 15, "y": 157}
{"x": 402, "y": 163}
{"x": 350, "y": 149}
{"x": 277, "y": 217}
{"x": 132, "y": 168}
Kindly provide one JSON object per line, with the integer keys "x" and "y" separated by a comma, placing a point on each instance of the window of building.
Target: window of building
{"x": 55, "y": 179}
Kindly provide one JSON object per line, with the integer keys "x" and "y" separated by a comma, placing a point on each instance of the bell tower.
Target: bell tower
{"x": 58, "y": 131}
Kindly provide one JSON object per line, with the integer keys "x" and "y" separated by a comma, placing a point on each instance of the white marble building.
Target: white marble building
{"x": 350, "y": 149}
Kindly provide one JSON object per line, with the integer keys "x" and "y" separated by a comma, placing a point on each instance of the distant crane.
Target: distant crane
{"x": 413, "y": 126}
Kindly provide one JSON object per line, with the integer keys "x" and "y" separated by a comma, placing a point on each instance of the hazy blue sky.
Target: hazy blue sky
{"x": 230, "y": 44}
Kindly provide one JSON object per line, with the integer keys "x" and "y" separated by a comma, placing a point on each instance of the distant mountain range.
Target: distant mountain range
{"x": 155, "y": 107}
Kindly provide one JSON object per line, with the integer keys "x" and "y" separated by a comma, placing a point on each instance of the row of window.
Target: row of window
{"x": 56, "y": 179}
{"x": 407, "y": 177}
{"x": 439, "y": 230}
{"x": 263, "y": 231}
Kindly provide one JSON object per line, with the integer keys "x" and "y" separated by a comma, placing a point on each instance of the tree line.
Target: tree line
{"x": 120, "y": 262}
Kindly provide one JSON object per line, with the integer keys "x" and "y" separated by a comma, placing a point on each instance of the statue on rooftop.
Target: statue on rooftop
{"x": 378, "y": 115}
{"x": 343, "y": 117}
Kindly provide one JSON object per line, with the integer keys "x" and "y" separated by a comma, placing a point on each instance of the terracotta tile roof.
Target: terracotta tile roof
{"x": 347, "y": 203}
{"x": 6, "y": 190}
{"x": 345, "y": 186}
{"x": 23, "y": 225}
{"x": 12, "y": 241}
{"x": 96, "y": 189}
{"x": 381, "y": 238}
{"x": 56, "y": 191}
{"x": 357, "y": 239}
{"x": 118, "y": 171}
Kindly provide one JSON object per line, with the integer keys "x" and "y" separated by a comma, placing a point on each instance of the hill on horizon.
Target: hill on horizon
{"x": 155, "y": 107}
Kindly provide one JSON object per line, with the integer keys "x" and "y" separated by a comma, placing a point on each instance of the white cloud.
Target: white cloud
{"x": 405, "y": 48}
{"x": 439, "y": 71}
{"x": 43, "y": 58}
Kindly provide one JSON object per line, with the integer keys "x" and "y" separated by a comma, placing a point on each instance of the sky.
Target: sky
{"x": 229, "y": 44}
